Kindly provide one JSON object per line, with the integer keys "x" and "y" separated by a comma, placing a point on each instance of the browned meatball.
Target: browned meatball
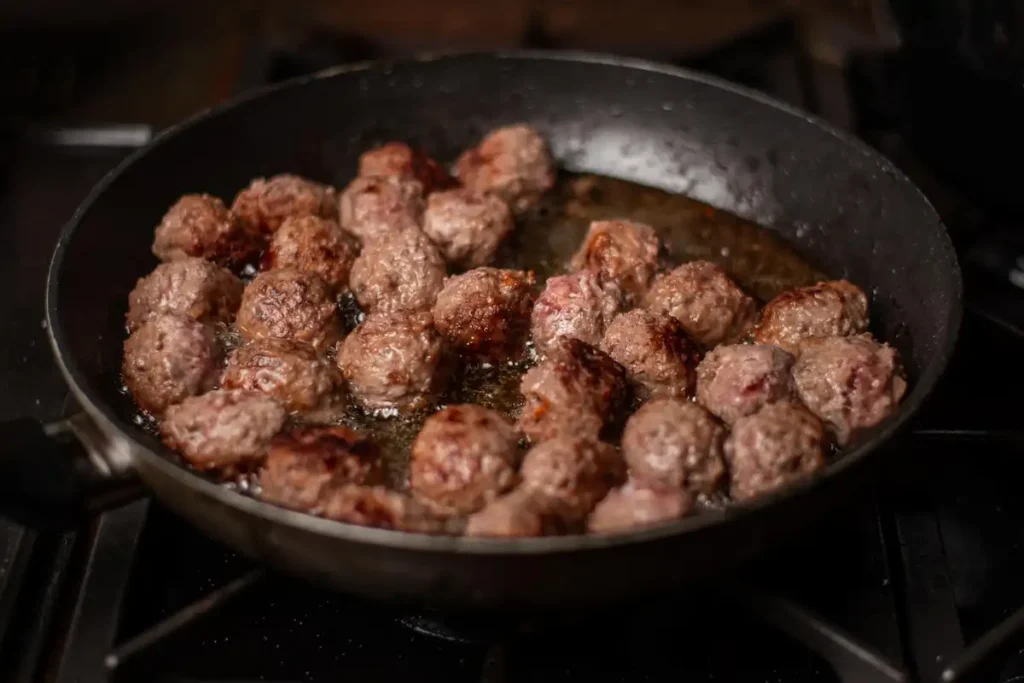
{"x": 522, "y": 512}
{"x": 513, "y": 162}
{"x": 574, "y": 471}
{"x": 374, "y": 206}
{"x": 378, "y": 507}
{"x": 653, "y": 347}
{"x": 393, "y": 362}
{"x": 223, "y": 430}
{"x": 623, "y": 253}
{"x": 190, "y": 286}
{"x": 289, "y": 304}
{"x": 577, "y": 390}
{"x": 401, "y": 271}
{"x": 851, "y": 383}
{"x": 573, "y": 306}
{"x": 779, "y": 444}
{"x": 700, "y": 295}
{"x": 827, "y": 309}
{"x": 463, "y": 458}
{"x": 314, "y": 244}
{"x": 266, "y": 203}
{"x": 630, "y": 508}
{"x": 466, "y": 226}
{"x": 736, "y": 380}
{"x": 200, "y": 225}
{"x": 399, "y": 160}
{"x": 168, "y": 359}
{"x": 674, "y": 444}
{"x": 486, "y": 312}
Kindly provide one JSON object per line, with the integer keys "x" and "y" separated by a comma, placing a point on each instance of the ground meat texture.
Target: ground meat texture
{"x": 289, "y": 304}
{"x": 401, "y": 271}
{"x": 466, "y": 226}
{"x": 737, "y": 380}
{"x": 574, "y": 472}
{"x": 573, "y": 306}
{"x": 653, "y": 347}
{"x": 775, "y": 446}
{"x": 200, "y": 225}
{"x": 464, "y": 457}
{"x": 393, "y": 361}
{"x": 629, "y": 508}
{"x": 190, "y": 286}
{"x": 399, "y": 160}
{"x": 316, "y": 245}
{"x": 577, "y": 389}
{"x": 851, "y": 383}
{"x": 168, "y": 359}
{"x": 670, "y": 443}
{"x": 377, "y": 506}
{"x": 513, "y": 163}
{"x": 374, "y": 206}
{"x": 227, "y": 430}
{"x": 827, "y": 309}
{"x": 486, "y": 312}
{"x": 700, "y": 295}
{"x": 623, "y": 253}
{"x": 522, "y": 512}
{"x": 266, "y": 203}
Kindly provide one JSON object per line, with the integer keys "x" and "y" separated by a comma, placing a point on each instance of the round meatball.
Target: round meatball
{"x": 392, "y": 362}
{"x": 190, "y": 286}
{"x": 851, "y": 383}
{"x": 737, "y": 380}
{"x": 576, "y": 390}
{"x": 779, "y": 444}
{"x": 289, "y": 304}
{"x": 486, "y": 312}
{"x": 573, "y": 306}
{"x": 827, "y": 309}
{"x": 223, "y": 430}
{"x": 378, "y": 507}
{"x": 700, "y": 295}
{"x": 265, "y": 204}
{"x": 200, "y": 225}
{"x": 653, "y": 347}
{"x": 623, "y": 253}
{"x": 290, "y": 371}
{"x": 463, "y": 458}
{"x": 522, "y": 512}
{"x": 674, "y": 444}
{"x": 467, "y": 227}
{"x": 513, "y": 163}
{"x": 168, "y": 359}
{"x": 316, "y": 245}
{"x": 399, "y": 160}
{"x": 374, "y": 206}
{"x": 576, "y": 472}
{"x": 629, "y": 508}
{"x": 400, "y": 271}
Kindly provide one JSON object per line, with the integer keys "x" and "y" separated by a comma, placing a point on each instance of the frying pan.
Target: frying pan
{"x": 841, "y": 205}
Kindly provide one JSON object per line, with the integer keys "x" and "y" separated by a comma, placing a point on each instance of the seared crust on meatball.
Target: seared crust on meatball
{"x": 573, "y": 306}
{"x": 467, "y": 226}
{"x": 630, "y": 508}
{"x": 653, "y": 347}
{"x": 189, "y": 286}
{"x": 316, "y": 245}
{"x": 289, "y": 304}
{"x": 200, "y": 225}
{"x": 623, "y": 253}
{"x": 399, "y": 160}
{"x": 574, "y": 471}
{"x": 519, "y": 513}
{"x": 486, "y": 312}
{"x": 828, "y": 309}
{"x": 738, "y": 379}
{"x": 374, "y": 206}
{"x": 266, "y": 203}
{"x": 513, "y": 162}
{"x": 401, "y": 271}
{"x": 379, "y": 507}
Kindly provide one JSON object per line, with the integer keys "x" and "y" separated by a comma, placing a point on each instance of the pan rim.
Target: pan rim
{"x": 108, "y": 420}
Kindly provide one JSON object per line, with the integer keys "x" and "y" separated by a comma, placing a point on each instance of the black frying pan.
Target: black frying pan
{"x": 846, "y": 209}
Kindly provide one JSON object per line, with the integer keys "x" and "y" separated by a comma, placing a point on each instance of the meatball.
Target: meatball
{"x": 669, "y": 443}
{"x": 302, "y": 464}
{"x": 653, "y": 347}
{"x": 827, "y": 309}
{"x": 200, "y": 225}
{"x": 223, "y": 429}
{"x": 513, "y": 163}
{"x": 630, "y": 507}
{"x": 737, "y": 380}
{"x": 190, "y": 286}
{"x": 289, "y": 304}
{"x": 573, "y": 306}
{"x": 486, "y": 312}
{"x": 378, "y": 507}
{"x": 851, "y": 383}
{"x": 779, "y": 444}
{"x": 623, "y": 253}
{"x": 401, "y": 271}
{"x": 399, "y": 160}
{"x": 464, "y": 457}
{"x": 374, "y": 206}
{"x": 522, "y": 512}
{"x": 576, "y": 472}
{"x": 266, "y": 203}
{"x": 467, "y": 227}
{"x": 577, "y": 389}
{"x": 168, "y": 359}
{"x": 314, "y": 244}
{"x": 393, "y": 362}
{"x": 290, "y": 371}
{"x": 700, "y": 295}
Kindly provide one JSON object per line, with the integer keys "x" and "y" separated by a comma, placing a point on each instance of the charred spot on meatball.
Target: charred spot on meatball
{"x": 375, "y": 206}
{"x": 737, "y": 380}
{"x": 265, "y": 204}
{"x": 631, "y": 507}
{"x": 573, "y": 306}
{"x": 289, "y": 304}
{"x": 658, "y": 355}
{"x": 575, "y": 472}
{"x": 622, "y": 253}
{"x": 466, "y": 226}
{"x": 400, "y": 271}
{"x": 399, "y": 160}
{"x": 513, "y": 162}
{"x": 316, "y": 245}
{"x": 199, "y": 225}
{"x": 827, "y": 309}
{"x": 190, "y": 286}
